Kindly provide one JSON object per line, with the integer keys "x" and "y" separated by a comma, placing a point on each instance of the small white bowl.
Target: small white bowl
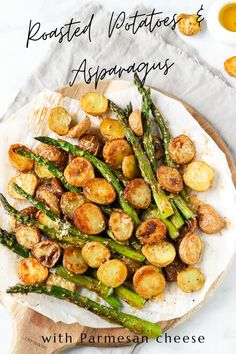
{"x": 214, "y": 25}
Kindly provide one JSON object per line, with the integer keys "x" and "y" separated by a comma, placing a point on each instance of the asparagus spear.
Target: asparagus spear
{"x": 100, "y": 165}
{"x": 182, "y": 206}
{"x": 9, "y": 240}
{"x": 133, "y": 323}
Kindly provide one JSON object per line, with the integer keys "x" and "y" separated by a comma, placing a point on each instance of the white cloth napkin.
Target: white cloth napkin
{"x": 190, "y": 79}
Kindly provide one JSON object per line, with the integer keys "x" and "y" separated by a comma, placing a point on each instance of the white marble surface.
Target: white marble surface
{"x": 216, "y": 320}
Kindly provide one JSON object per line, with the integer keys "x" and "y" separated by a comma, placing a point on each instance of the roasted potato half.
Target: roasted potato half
{"x": 99, "y": 191}
{"x": 230, "y": 66}
{"x": 44, "y": 195}
{"x": 56, "y": 187}
{"x": 29, "y": 211}
{"x": 26, "y": 181}
{"x": 59, "y": 120}
{"x": 47, "y": 253}
{"x": 188, "y": 229}
{"x": 148, "y": 281}
{"x": 27, "y": 236}
{"x": 121, "y": 225}
{"x": 70, "y": 201}
{"x": 130, "y": 167}
{"x": 89, "y": 219}
{"x": 42, "y": 171}
{"x": 43, "y": 219}
{"x": 95, "y": 254}
{"x": 31, "y": 272}
{"x": 21, "y": 163}
{"x": 114, "y": 152}
{"x": 112, "y": 273}
{"x": 171, "y": 270}
{"x": 138, "y": 193}
{"x": 160, "y": 254}
{"x": 135, "y": 122}
{"x": 91, "y": 144}
{"x": 57, "y": 280}
{"x": 190, "y": 249}
{"x": 199, "y": 176}
{"x": 194, "y": 202}
{"x": 190, "y": 279}
{"x": 151, "y": 231}
{"x": 170, "y": 179}
{"x": 209, "y": 221}
{"x": 112, "y": 129}
{"x": 188, "y": 24}
{"x": 79, "y": 171}
{"x": 80, "y": 128}
{"x": 158, "y": 146}
{"x": 182, "y": 149}
{"x": 73, "y": 260}
{"x": 94, "y": 103}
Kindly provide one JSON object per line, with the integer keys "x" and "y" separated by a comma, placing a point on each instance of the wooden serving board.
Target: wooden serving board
{"x": 30, "y": 326}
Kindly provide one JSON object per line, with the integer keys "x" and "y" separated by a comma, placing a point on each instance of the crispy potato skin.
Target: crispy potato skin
{"x": 159, "y": 255}
{"x": 114, "y": 152}
{"x": 209, "y": 221}
{"x": 131, "y": 266}
{"x": 112, "y": 129}
{"x": 95, "y": 254}
{"x": 89, "y": 219}
{"x": 171, "y": 270}
{"x": 29, "y": 211}
{"x": 70, "y": 201}
{"x": 57, "y": 280}
{"x": 112, "y": 273}
{"x": 188, "y": 24}
{"x": 26, "y": 181}
{"x": 190, "y": 279}
{"x": 44, "y": 194}
{"x": 21, "y": 163}
{"x": 79, "y": 129}
{"x": 148, "y": 281}
{"x": 170, "y": 179}
{"x": 135, "y": 122}
{"x": 58, "y": 120}
{"x": 194, "y": 202}
{"x": 91, "y": 144}
{"x": 230, "y": 66}
{"x": 73, "y": 261}
{"x": 138, "y": 193}
{"x": 190, "y": 249}
{"x": 79, "y": 171}
{"x": 94, "y": 103}
{"x": 130, "y": 167}
{"x": 56, "y": 187}
{"x": 31, "y": 272}
{"x": 158, "y": 146}
{"x": 47, "y": 253}
{"x": 99, "y": 191}
{"x": 57, "y": 156}
{"x": 199, "y": 176}
{"x": 151, "y": 231}
{"x": 121, "y": 225}
{"x": 27, "y": 236}
{"x": 188, "y": 229}
{"x": 182, "y": 149}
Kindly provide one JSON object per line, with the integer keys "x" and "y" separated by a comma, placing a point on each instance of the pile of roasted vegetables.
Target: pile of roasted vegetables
{"x": 112, "y": 213}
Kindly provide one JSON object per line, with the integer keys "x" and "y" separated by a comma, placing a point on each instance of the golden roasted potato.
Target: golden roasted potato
{"x": 194, "y": 202}
{"x": 42, "y": 171}
{"x": 151, "y": 231}
{"x": 188, "y": 229}
{"x": 138, "y": 193}
{"x": 190, "y": 249}
{"x": 121, "y": 225}
{"x": 73, "y": 260}
{"x": 91, "y": 144}
{"x": 114, "y": 152}
{"x": 47, "y": 253}
{"x": 99, "y": 191}
{"x": 230, "y": 66}
{"x": 171, "y": 270}
{"x": 59, "y": 120}
{"x": 112, "y": 273}
{"x": 43, "y": 219}
{"x": 188, "y": 24}
{"x": 182, "y": 149}
{"x": 190, "y": 279}
{"x": 170, "y": 179}
{"x": 135, "y": 122}
{"x": 209, "y": 221}
{"x": 158, "y": 146}
{"x": 199, "y": 176}
{"x": 89, "y": 219}
{"x": 21, "y": 163}
{"x": 70, "y": 201}
{"x": 80, "y": 128}
{"x": 27, "y": 236}
{"x": 26, "y": 181}
{"x": 130, "y": 167}
{"x": 160, "y": 254}
{"x": 79, "y": 171}
{"x": 112, "y": 129}
{"x": 29, "y": 211}
{"x": 44, "y": 195}
{"x": 95, "y": 254}
{"x": 31, "y": 272}
{"x": 56, "y": 187}
{"x": 148, "y": 281}
{"x": 57, "y": 280}
{"x": 94, "y": 103}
